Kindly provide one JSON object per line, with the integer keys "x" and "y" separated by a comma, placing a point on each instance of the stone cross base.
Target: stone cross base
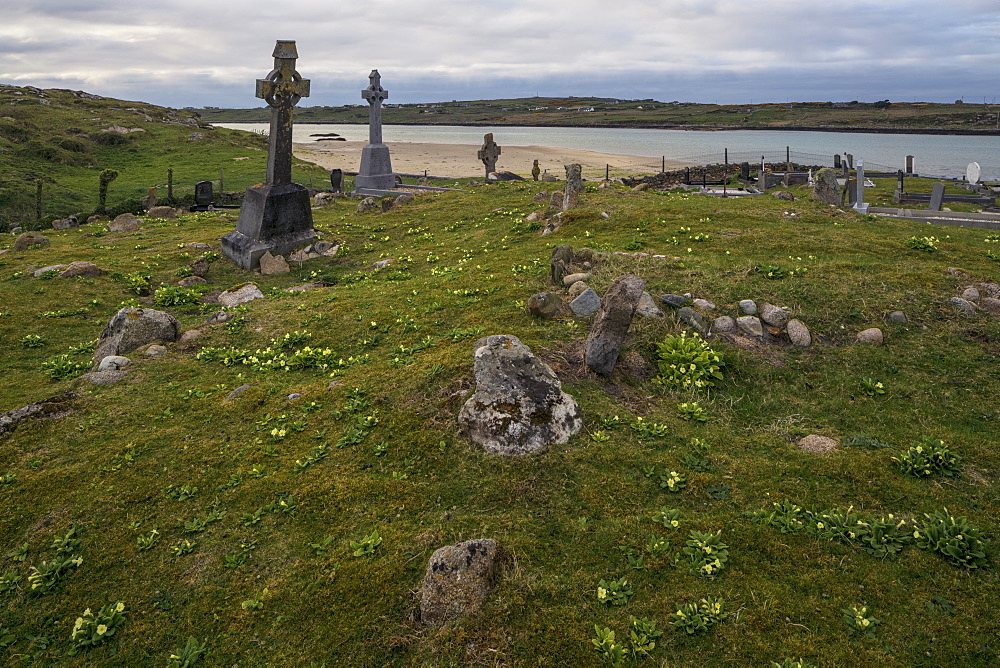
{"x": 273, "y": 218}
{"x": 376, "y": 169}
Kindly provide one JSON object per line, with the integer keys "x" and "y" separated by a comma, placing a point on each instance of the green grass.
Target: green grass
{"x": 465, "y": 265}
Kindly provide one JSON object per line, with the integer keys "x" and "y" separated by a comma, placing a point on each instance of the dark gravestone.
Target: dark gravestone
{"x": 850, "y": 160}
{"x": 611, "y": 324}
{"x": 276, "y": 215}
{"x": 836, "y": 161}
{"x": 909, "y": 164}
{"x": 203, "y": 194}
{"x": 489, "y": 153}
{"x": 744, "y": 171}
{"x": 937, "y": 196}
{"x": 336, "y": 180}
{"x": 376, "y": 164}
{"x": 852, "y": 191}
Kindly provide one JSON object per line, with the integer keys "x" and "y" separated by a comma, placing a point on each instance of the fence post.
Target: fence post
{"x": 788, "y": 159}
{"x": 170, "y": 184}
{"x": 38, "y": 200}
{"x": 607, "y": 172}
{"x": 726, "y": 156}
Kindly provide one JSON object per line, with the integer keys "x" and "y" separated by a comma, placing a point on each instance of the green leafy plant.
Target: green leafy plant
{"x": 63, "y": 367}
{"x": 91, "y": 629}
{"x": 187, "y": 656}
{"x": 927, "y": 457}
{"x": 699, "y": 617}
{"x": 670, "y": 518}
{"x": 792, "y": 663}
{"x": 183, "y": 547}
{"x": 9, "y": 582}
{"x": 928, "y": 244}
{"x": 642, "y": 635}
{"x": 687, "y": 363}
{"x": 46, "y": 577}
{"x": 255, "y": 603}
{"x": 610, "y": 651}
{"x": 858, "y": 621}
{"x": 707, "y": 554}
{"x": 872, "y": 387}
{"x": 366, "y": 545}
{"x": 146, "y": 542}
{"x": 952, "y": 538}
{"x": 32, "y": 341}
{"x": 180, "y": 492}
{"x": 691, "y": 410}
{"x": 175, "y": 295}
{"x": 673, "y": 481}
{"x": 614, "y": 592}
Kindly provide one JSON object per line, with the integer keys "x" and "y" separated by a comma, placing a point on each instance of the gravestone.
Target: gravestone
{"x": 937, "y": 196}
{"x": 850, "y": 160}
{"x": 149, "y": 201}
{"x": 836, "y": 161}
{"x": 574, "y": 186}
{"x": 973, "y": 172}
{"x": 336, "y": 180}
{"x": 535, "y": 170}
{"x": 909, "y": 164}
{"x": 276, "y": 215}
{"x": 744, "y": 171}
{"x": 489, "y": 153}
{"x": 203, "y": 193}
{"x": 376, "y": 165}
{"x": 860, "y": 205}
{"x": 847, "y": 170}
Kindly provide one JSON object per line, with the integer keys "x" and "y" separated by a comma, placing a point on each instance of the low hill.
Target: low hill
{"x": 270, "y": 489}
{"x": 604, "y": 112}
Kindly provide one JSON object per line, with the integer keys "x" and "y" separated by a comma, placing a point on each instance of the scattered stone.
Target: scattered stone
{"x": 240, "y": 294}
{"x": 675, "y": 301}
{"x": 237, "y": 392}
{"x": 562, "y": 258}
{"x": 573, "y": 188}
{"x": 191, "y": 281}
{"x": 368, "y": 204}
{"x": 605, "y": 215}
{"x": 386, "y": 204}
{"x": 897, "y": 317}
{"x": 642, "y": 187}
{"x": 293, "y": 396}
{"x": 126, "y": 222}
{"x": 162, "y": 212}
{"x": 65, "y": 223}
{"x": 991, "y": 290}
{"x": 37, "y": 273}
{"x": 748, "y": 307}
{"x": 97, "y": 219}
{"x": 990, "y": 304}
{"x": 325, "y": 248}
{"x": 273, "y": 264}
{"x": 586, "y": 303}
{"x": 826, "y": 188}
{"x": 298, "y": 256}
{"x": 322, "y": 199}
{"x": 751, "y": 325}
{"x": 723, "y": 324}
{"x": 798, "y": 334}
{"x": 692, "y": 319}
{"x": 957, "y": 273}
{"x": 647, "y": 308}
{"x": 28, "y": 239}
{"x": 540, "y": 197}
{"x": 570, "y": 279}
{"x": 402, "y": 201}
{"x": 549, "y": 178}
{"x": 518, "y": 406}
{"x": 105, "y": 377}
{"x": 131, "y": 328}
{"x": 200, "y": 246}
{"x": 458, "y": 580}
{"x": 577, "y": 289}
{"x": 85, "y": 269}
{"x": 304, "y": 287}
{"x": 971, "y": 293}
{"x": 783, "y": 194}
{"x": 773, "y": 315}
{"x": 219, "y": 317}
{"x": 963, "y": 305}
{"x": 545, "y": 305}
{"x": 818, "y": 444}
{"x": 190, "y": 335}
{"x": 155, "y": 350}
{"x": 703, "y": 304}
{"x": 58, "y": 406}
{"x": 611, "y": 325}
{"x": 556, "y": 200}
{"x": 533, "y": 216}
{"x": 380, "y": 264}
{"x": 113, "y": 363}
{"x": 872, "y": 335}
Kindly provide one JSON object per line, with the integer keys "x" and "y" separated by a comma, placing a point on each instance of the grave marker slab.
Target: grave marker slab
{"x": 276, "y": 215}
{"x": 375, "y": 172}
{"x": 203, "y": 193}
{"x": 489, "y": 153}
{"x": 860, "y": 205}
{"x": 973, "y": 172}
{"x": 937, "y": 196}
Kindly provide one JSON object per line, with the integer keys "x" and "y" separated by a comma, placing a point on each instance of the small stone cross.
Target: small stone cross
{"x": 282, "y": 89}
{"x": 375, "y": 95}
{"x": 489, "y": 153}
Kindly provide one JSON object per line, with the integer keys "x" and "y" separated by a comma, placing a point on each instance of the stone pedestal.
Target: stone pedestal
{"x": 275, "y": 218}
{"x": 376, "y": 169}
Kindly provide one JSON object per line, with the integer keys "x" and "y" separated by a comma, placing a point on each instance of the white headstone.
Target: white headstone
{"x": 973, "y": 172}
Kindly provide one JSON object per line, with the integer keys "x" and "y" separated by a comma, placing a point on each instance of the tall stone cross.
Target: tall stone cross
{"x": 375, "y": 95}
{"x": 282, "y": 89}
{"x": 489, "y": 153}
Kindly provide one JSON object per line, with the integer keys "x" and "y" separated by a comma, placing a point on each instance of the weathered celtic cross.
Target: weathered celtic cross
{"x": 489, "y": 153}
{"x": 276, "y": 216}
{"x": 282, "y": 89}
{"x": 375, "y": 95}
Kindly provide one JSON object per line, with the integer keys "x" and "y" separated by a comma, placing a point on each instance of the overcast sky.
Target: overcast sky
{"x": 209, "y": 52}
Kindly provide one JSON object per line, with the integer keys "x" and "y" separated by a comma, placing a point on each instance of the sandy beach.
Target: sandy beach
{"x": 459, "y": 160}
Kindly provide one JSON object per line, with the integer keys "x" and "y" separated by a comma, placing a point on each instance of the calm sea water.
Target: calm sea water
{"x": 935, "y": 155}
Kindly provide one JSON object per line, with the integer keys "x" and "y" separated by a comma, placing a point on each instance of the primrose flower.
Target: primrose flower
{"x": 602, "y": 593}
{"x": 120, "y": 607}
{"x": 102, "y": 629}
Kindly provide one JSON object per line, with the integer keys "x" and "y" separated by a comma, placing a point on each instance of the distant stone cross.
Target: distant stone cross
{"x": 489, "y": 153}
{"x": 375, "y": 95}
{"x": 282, "y": 90}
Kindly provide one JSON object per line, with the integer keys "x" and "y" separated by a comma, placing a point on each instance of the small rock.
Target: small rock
{"x": 556, "y": 200}
{"x": 191, "y": 281}
{"x": 304, "y": 287}
{"x": 897, "y": 317}
{"x": 381, "y": 264}
{"x": 105, "y": 377}
{"x": 540, "y": 197}
{"x": 783, "y": 194}
{"x": 273, "y": 264}
{"x": 28, "y": 239}
{"x": 991, "y": 290}
{"x": 298, "y": 256}
{"x": 818, "y": 444}
{"x": 958, "y": 273}
{"x": 964, "y": 306}
{"x": 990, "y": 304}
{"x": 751, "y": 325}
{"x": 573, "y": 278}
{"x": 675, "y": 301}
{"x": 458, "y": 580}
{"x": 773, "y": 315}
{"x": 294, "y": 395}
{"x": 872, "y": 335}
{"x": 577, "y": 289}
{"x": 611, "y": 324}
{"x": 723, "y": 324}
{"x": 113, "y": 363}
{"x": 586, "y": 303}
{"x": 132, "y": 328}
{"x": 65, "y": 223}
{"x": 240, "y": 294}
{"x": 402, "y": 200}
{"x": 162, "y": 212}
{"x": 642, "y": 187}
{"x": 85, "y": 269}
{"x": 703, "y": 304}
{"x": 971, "y": 294}
{"x": 322, "y": 199}
{"x": 126, "y": 222}
{"x": 155, "y": 350}
{"x": 545, "y": 305}
{"x": 190, "y": 335}
{"x": 199, "y": 267}
{"x": 37, "y": 273}
{"x": 604, "y": 215}
{"x": 368, "y": 204}
{"x": 219, "y": 317}
{"x": 748, "y": 307}
{"x": 798, "y": 334}
{"x": 237, "y": 392}
{"x": 692, "y": 318}
{"x": 647, "y": 308}
{"x": 533, "y": 216}
{"x": 200, "y": 246}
